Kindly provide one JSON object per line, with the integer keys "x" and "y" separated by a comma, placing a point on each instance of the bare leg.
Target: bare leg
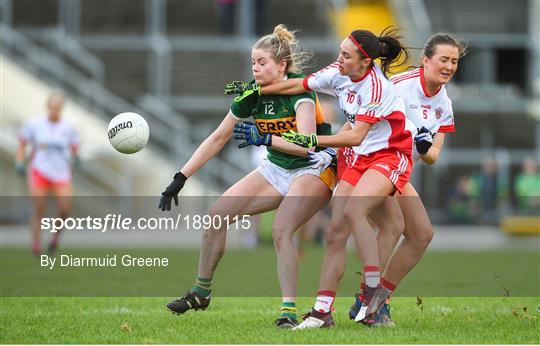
{"x": 39, "y": 198}
{"x": 336, "y": 241}
{"x": 63, "y": 200}
{"x": 389, "y": 220}
{"x": 418, "y": 234}
{"x": 251, "y": 195}
{"x": 368, "y": 194}
{"x": 307, "y": 195}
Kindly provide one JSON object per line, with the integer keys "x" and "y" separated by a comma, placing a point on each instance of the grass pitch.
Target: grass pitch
{"x": 249, "y": 321}
{"x": 439, "y": 302}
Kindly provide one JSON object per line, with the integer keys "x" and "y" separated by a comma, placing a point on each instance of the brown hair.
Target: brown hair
{"x": 387, "y": 47}
{"x": 282, "y": 44}
{"x": 431, "y": 44}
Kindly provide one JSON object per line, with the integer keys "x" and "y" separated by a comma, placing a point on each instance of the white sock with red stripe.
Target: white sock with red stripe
{"x": 372, "y": 276}
{"x": 325, "y": 300}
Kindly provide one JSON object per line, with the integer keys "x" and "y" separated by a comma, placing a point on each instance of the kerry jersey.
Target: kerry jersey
{"x": 276, "y": 114}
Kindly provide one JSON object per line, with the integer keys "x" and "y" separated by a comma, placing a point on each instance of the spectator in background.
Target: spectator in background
{"x": 461, "y": 207}
{"x": 487, "y": 189}
{"x": 527, "y": 186}
{"x": 55, "y": 144}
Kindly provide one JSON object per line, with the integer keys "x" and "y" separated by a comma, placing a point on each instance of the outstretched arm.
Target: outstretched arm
{"x": 293, "y": 86}
{"x": 208, "y": 149}
{"x": 305, "y": 123}
{"x": 345, "y": 138}
{"x": 211, "y": 146}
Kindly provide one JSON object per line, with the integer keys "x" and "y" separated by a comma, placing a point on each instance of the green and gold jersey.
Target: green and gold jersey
{"x": 276, "y": 114}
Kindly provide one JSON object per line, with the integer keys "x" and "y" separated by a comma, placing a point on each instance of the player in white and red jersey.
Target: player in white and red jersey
{"x": 377, "y": 163}
{"x": 429, "y": 107}
{"x": 55, "y": 143}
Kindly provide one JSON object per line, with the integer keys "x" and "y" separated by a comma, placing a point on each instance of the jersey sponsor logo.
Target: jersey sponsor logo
{"x": 115, "y": 130}
{"x": 426, "y": 106}
{"x": 413, "y": 106}
{"x": 276, "y": 126}
{"x": 438, "y": 112}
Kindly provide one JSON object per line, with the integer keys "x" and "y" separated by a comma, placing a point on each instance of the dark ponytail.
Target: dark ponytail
{"x": 391, "y": 50}
{"x": 386, "y": 47}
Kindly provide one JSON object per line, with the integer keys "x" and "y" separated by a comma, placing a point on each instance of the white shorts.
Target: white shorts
{"x": 281, "y": 178}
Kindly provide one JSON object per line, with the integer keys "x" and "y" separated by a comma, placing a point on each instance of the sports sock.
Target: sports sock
{"x": 325, "y": 300}
{"x": 288, "y": 308}
{"x": 371, "y": 273}
{"x": 203, "y": 286}
{"x": 388, "y": 285}
{"x": 362, "y": 289}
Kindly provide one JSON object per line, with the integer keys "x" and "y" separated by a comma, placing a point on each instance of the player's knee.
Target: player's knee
{"x": 392, "y": 227}
{"x": 423, "y": 236}
{"x": 351, "y": 215}
{"x": 334, "y": 239}
{"x": 280, "y": 235}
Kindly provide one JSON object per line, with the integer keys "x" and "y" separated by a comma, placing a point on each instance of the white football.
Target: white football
{"x": 128, "y": 132}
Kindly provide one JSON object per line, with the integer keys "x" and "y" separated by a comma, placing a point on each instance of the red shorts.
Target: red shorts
{"x": 37, "y": 180}
{"x": 393, "y": 164}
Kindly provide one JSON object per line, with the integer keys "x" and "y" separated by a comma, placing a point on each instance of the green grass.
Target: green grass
{"x": 249, "y": 320}
{"x": 461, "y": 294}
{"x": 253, "y": 273}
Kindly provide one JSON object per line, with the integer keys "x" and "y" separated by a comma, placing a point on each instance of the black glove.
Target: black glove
{"x": 423, "y": 140}
{"x": 172, "y": 192}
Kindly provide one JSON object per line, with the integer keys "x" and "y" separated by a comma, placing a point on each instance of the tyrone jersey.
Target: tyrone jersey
{"x": 434, "y": 112}
{"x": 370, "y": 99}
{"x": 276, "y": 114}
{"x": 51, "y": 143}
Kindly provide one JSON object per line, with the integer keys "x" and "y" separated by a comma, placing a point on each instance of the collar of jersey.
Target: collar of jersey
{"x": 364, "y": 76}
{"x": 423, "y": 84}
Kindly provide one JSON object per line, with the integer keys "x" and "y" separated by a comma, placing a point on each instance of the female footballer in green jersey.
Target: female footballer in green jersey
{"x": 290, "y": 180}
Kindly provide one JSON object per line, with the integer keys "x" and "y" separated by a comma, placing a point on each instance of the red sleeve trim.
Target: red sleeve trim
{"x": 305, "y": 83}
{"x": 447, "y": 128}
{"x": 367, "y": 119}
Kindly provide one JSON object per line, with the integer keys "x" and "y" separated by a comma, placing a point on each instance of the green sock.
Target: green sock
{"x": 288, "y": 309}
{"x": 203, "y": 286}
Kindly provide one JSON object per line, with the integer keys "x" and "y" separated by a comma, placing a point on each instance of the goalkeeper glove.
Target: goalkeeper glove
{"x": 239, "y": 87}
{"x": 171, "y": 192}
{"x": 423, "y": 140}
{"x": 306, "y": 141}
{"x": 250, "y": 134}
{"x": 243, "y": 89}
